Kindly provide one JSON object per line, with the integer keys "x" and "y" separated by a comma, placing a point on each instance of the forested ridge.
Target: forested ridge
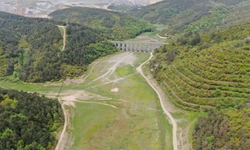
{"x": 31, "y": 49}
{"x": 195, "y": 15}
{"x": 117, "y": 25}
{"x": 28, "y": 121}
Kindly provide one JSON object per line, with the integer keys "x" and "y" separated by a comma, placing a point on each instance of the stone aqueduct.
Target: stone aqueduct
{"x": 137, "y": 46}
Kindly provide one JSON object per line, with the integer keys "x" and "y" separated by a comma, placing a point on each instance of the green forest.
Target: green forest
{"x": 117, "y": 25}
{"x": 28, "y": 121}
{"x": 182, "y": 16}
{"x": 30, "y": 49}
{"x": 224, "y": 129}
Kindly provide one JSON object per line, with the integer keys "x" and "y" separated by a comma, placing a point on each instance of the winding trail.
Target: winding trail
{"x": 60, "y": 141}
{"x": 64, "y": 36}
{"x": 139, "y": 69}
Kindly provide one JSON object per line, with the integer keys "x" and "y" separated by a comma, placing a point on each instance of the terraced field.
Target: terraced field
{"x": 215, "y": 76}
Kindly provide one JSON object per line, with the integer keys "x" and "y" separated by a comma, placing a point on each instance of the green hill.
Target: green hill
{"x": 205, "y": 67}
{"x": 28, "y": 121}
{"x": 164, "y": 11}
{"x": 194, "y": 15}
{"x": 117, "y": 25}
{"x": 208, "y": 70}
{"x": 31, "y": 49}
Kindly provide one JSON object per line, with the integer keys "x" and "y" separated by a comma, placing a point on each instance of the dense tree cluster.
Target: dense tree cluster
{"x": 28, "y": 121}
{"x": 30, "y": 48}
{"x": 37, "y": 38}
{"x": 190, "y": 38}
{"x": 225, "y": 129}
{"x": 117, "y": 25}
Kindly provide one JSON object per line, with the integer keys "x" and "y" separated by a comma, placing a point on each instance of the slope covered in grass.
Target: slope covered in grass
{"x": 117, "y": 25}
{"x": 204, "y": 71}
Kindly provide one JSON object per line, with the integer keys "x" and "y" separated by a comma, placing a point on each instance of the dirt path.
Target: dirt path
{"x": 139, "y": 69}
{"x": 61, "y": 142}
{"x": 161, "y": 37}
{"x": 64, "y": 36}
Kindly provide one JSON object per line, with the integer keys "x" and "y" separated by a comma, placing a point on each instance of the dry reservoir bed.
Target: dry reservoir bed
{"x": 115, "y": 108}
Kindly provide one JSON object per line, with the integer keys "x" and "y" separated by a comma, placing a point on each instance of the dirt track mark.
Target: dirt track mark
{"x": 111, "y": 70}
{"x": 91, "y": 102}
{"x": 112, "y": 81}
{"x": 64, "y": 36}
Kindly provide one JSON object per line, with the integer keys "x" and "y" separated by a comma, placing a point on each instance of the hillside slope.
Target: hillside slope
{"x": 208, "y": 70}
{"x": 117, "y": 25}
{"x": 194, "y": 15}
{"x": 31, "y": 49}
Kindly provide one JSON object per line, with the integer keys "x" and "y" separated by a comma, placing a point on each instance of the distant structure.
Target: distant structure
{"x": 137, "y": 46}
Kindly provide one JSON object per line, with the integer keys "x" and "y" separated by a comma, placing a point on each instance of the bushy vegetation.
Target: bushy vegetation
{"x": 117, "y": 25}
{"x": 224, "y": 129}
{"x": 30, "y": 49}
{"x": 28, "y": 121}
{"x": 207, "y": 70}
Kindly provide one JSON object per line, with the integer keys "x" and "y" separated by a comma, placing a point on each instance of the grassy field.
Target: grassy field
{"x": 136, "y": 122}
{"x": 38, "y": 87}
